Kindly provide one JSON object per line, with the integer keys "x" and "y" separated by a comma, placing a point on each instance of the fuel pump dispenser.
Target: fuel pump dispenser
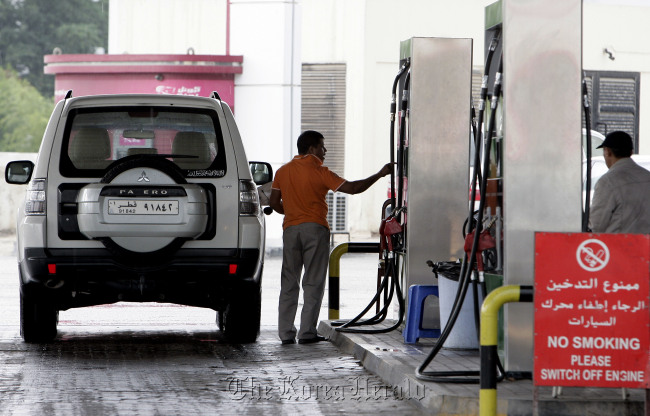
{"x": 435, "y": 152}
{"x": 429, "y": 144}
{"x": 538, "y": 147}
{"x": 529, "y": 162}
{"x": 479, "y": 238}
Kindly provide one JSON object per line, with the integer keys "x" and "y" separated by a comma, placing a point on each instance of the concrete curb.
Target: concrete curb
{"x": 388, "y": 364}
{"x": 387, "y": 356}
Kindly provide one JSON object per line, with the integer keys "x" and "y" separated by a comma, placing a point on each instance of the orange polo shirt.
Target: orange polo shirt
{"x": 303, "y": 184}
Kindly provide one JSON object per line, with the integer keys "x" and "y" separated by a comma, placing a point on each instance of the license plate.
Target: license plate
{"x": 142, "y": 207}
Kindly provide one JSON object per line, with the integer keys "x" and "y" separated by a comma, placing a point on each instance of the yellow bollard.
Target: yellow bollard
{"x": 334, "y": 277}
{"x": 489, "y": 339}
{"x": 335, "y": 271}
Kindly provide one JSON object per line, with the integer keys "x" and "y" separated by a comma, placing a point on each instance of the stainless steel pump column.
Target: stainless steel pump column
{"x": 542, "y": 52}
{"x": 438, "y": 177}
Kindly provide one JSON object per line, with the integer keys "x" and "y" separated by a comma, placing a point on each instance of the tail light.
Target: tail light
{"x": 35, "y": 197}
{"x": 249, "y": 203}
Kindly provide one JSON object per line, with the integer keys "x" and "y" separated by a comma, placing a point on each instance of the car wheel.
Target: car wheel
{"x": 220, "y": 320}
{"x": 240, "y": 322}
{"x": 37, "y": 320}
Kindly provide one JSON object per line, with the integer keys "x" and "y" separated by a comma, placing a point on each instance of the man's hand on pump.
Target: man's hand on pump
{"x": 387, "y": 169}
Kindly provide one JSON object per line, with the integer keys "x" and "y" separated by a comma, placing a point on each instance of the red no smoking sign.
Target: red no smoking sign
{"x": 592, "y": 310}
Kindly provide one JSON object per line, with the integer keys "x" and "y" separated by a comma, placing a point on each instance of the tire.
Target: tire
{"x": 220, "y": 318}
{"x": 37, "y": 320}
{"x": 240, "y": 322}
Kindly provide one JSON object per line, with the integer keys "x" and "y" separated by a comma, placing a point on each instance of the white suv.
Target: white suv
{"x": 140, "y": 198}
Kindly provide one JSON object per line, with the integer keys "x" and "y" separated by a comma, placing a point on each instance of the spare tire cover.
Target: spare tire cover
{"x": 144, "y": 172}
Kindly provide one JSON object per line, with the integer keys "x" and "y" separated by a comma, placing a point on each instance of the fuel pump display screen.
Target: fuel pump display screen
{"x": 592, "y": 316}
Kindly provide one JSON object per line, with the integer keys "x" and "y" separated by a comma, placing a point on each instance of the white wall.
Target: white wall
{"x": 167, "y": 26}
{"x": 267, "y": 93}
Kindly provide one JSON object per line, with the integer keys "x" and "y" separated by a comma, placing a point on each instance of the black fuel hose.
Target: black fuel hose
{"x": 392, "y": 260}
{"x": 379, "y": 317}
{"x": 587, "y": 109}
{"x": 381, "y": 314}
{"x": 390, "y": 278}
{"x": 473, "y": 143}
{"x": 396, "y": 286}
{"x": 393, "y": 111}
{"x": 401, "y": 170}
{"x": 478, "y": 135}
{"x": 467, "y": 266}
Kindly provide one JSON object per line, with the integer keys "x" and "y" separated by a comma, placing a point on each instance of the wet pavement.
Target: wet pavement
{"x": 173, "y": 371}
{"x": 162, "y": 359}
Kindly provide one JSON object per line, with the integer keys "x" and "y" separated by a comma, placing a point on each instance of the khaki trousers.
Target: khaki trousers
{"x": 305, "y": 245}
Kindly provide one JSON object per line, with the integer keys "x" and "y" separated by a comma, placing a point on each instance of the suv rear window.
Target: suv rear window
{"x": 95, "y": 138}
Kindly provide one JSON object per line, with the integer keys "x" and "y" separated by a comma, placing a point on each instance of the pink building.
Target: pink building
{"x": 189, "y": 74}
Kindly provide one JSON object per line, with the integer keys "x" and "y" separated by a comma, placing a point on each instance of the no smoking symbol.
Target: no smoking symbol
{"x": 592, "y": 255}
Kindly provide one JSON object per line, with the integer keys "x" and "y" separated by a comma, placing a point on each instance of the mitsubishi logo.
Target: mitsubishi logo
{"x": 143, "y": 177}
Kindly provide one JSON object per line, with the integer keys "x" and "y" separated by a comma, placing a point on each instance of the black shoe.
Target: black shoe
{"x": 288, "y": 341}
{"x": 317, "y": 338}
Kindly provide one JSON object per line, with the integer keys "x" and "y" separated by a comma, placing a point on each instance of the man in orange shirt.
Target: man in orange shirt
{"x": 299, "y": 192}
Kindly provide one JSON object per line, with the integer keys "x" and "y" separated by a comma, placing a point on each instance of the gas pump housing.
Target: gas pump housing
{"x": 541, "y": 145}
{"x": 438, "y": 132}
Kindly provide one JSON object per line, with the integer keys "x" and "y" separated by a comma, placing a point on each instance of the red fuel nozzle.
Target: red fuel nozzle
{"x": 485, "y": 241}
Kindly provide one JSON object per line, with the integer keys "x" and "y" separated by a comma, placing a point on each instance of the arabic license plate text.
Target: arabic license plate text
{"x": 142, "y": 207}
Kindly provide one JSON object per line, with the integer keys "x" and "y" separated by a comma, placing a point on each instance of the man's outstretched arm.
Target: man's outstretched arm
{"x": 356, "y": 187}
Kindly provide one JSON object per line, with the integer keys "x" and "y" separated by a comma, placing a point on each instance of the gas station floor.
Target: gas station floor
{"x": 395, "y": 362}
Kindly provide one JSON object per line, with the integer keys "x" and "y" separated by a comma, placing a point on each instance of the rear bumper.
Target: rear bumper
{"x": 70, "y": 278}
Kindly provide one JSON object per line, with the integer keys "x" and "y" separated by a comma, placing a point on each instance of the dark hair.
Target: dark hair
{"x": 307, "y": 139}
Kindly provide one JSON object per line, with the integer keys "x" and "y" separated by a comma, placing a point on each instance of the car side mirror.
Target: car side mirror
{"x": 262, "y": 172}
{"x": 19, "y": 172}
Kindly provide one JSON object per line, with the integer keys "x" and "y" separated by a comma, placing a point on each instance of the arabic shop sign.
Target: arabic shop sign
{"x": 592, "y": 313}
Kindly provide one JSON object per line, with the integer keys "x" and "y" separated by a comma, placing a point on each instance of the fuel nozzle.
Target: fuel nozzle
{"x": 494, "y": 42}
